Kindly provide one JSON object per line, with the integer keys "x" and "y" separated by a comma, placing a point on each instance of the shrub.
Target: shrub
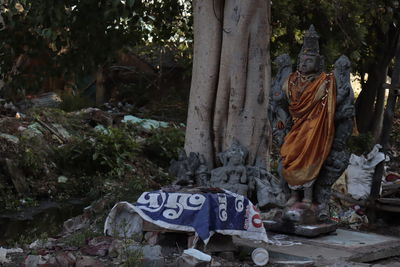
{"x": 164, "y": 144}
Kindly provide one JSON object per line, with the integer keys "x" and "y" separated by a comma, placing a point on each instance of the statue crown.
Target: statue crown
{"x": 310, "y": 42}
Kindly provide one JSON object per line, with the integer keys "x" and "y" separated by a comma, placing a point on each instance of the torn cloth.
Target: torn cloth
{"x": 204, "y": 213}
{"x": 308, "y": 143}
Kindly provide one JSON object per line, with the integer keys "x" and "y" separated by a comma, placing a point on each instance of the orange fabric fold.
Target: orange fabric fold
{"x": 309, "y": 141}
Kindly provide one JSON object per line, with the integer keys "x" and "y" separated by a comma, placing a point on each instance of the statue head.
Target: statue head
{"x": 309, "y": 64}
{"x": 235, "y": 155}
{"x": 310, "y": 61}
{"x": 283, "y": 61}
{"x": 182, "y": 155}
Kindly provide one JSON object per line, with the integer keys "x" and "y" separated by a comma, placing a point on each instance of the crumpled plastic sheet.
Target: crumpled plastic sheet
{"x": 360, "y": 172}
{"x": 148, "y": 123}
{"x": 5, "y": 251}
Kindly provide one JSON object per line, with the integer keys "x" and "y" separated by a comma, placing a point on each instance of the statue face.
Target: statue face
{"x": 236, "y": 159}
{"x": 308, "y": 64}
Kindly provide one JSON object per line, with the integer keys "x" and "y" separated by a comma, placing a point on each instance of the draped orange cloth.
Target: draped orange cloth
{"x": 307, "y": 145}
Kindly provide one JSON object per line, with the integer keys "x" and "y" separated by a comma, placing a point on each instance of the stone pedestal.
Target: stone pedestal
{"x": 289, "y": 227}
{"x": 298, "y": 219}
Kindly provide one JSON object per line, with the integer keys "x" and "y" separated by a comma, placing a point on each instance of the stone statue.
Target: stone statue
{"x": 233, "y": 174}
{"x": 189, "y": 170}
{"x": 312, "y": 118}
{"x": 251, "y": 181}
{"x": 278, "y": 102}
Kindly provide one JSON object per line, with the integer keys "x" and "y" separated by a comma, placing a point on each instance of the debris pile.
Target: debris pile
{"x": 351, "y": 193}
{"x": 49, "y": 153}
{"x": 137, "y": 244}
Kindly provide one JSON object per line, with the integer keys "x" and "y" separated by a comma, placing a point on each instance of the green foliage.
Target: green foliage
{"x": 70, "y": 39}
{"x": 79, "y": 239}
{"x": 8, "y": 199}
{"x": 109, "y": 152}
{"x": 73, "y": 103}
{"x": 133, "y": 258}
{"x": 164, "y": 144}
{"x": 34, "y": 155}
{"x": 31, "y": 160}
{"x": 114, "y": 149}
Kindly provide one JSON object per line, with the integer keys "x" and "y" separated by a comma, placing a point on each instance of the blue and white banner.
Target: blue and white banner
{"x": 203, "y": 213}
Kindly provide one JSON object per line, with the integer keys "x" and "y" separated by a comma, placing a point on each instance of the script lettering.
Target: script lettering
{"x": 178, "y": 202}
{"x": 152, "y": 202}
{"x": 223, "y": 214}
{"x": 239, "y": 205}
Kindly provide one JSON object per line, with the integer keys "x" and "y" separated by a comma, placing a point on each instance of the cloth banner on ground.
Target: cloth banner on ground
{"x": 204, "y": 213}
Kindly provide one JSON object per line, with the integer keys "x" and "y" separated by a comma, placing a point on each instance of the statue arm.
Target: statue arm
{"x": 243, "y": 176}
{"x": 344, "y": 92}
{"x": 344, "y": 102}
{"x": 278, "y": 110}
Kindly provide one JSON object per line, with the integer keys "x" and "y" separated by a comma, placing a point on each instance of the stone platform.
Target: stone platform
{"x": 339, "y": 247}
{"x": 302, "y": 230}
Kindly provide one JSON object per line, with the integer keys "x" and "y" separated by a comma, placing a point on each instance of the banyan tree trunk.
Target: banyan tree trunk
{"x": 230, "y": 79}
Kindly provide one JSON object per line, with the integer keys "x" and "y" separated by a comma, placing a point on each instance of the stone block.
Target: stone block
{"x": 115, "y": 248}
{"x": 289, "y": 227}
{"x": 152, "y": 256}
{"x": 65, "y": 259}
{"x": 32, "y": 260}
{"x": 86, "y": 261}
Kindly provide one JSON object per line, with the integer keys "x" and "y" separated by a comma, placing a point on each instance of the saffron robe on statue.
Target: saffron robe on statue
{"x": 312, "y": 107}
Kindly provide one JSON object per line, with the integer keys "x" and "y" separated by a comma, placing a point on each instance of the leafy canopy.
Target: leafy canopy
{"x": 73, "y": 37}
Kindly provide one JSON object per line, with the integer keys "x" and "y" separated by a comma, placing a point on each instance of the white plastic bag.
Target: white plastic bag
{"x": 360, "y": 172}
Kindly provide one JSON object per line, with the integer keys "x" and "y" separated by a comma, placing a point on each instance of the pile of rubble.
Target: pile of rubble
{"x": 81, "y": 243}
{"x": 35, "y": 136}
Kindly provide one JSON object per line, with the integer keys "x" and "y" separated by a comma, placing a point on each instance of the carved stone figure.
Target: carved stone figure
{"x": 278, "y": 102}
{"x": 311, "y": 117}
{"x": 251, "y": 181}
{"x": 189, "y": 170}
{"x": 233, "y": 174}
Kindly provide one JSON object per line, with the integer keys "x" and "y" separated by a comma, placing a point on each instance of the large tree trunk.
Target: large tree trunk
{"x": 207, "y": 50}
{"x": 365, "y": 104}
{"x": 100, "y": 86}
{"x": 387, "y": 123}
{"x": 378, "y": 113}
{"x": 391, "y": 102}
{"x": 231, "y": 79}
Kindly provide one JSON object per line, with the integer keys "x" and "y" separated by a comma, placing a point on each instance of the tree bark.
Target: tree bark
{"x": 231, "y": 79}
{"x": 365, "y": 104}
{"x": 391, "y": 102}
{"x": 387, "y": 123}
{"x": 379, "y": 110}
{"x": 100, "y": 87}
{"x": 207, "y": 49}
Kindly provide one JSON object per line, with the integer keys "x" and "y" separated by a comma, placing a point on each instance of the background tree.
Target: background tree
{"x": 73, "y": 38}
{"x": 230, "y": 79}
